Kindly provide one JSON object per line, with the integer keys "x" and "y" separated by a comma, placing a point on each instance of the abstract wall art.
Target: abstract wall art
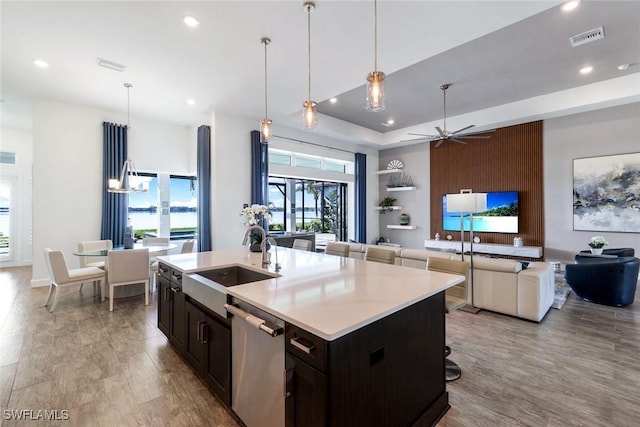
{"x": 606, "y": 193}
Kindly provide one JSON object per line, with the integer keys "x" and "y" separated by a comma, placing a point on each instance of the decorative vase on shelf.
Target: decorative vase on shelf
{"x": 404, "y": 219}
{"x": 596, "y": 251}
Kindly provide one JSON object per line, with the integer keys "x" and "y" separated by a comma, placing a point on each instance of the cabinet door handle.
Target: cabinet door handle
{"x": 287, "y": 379}
{"x": 295, "y": 341}
{"x": 166, "y": 295}
{"x": 205, "y": 333}
{"x": 198, "y": 336}
{"x": 176, "y": 290}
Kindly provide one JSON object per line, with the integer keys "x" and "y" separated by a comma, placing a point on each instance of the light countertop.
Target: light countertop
{"x": 327, "y": 295}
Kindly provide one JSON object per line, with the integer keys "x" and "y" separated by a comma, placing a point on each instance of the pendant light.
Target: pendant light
{"x": 129, "y": 181}
{"x": 375, "y": 79}
{"x": 310, "y": 108}
{"x": 265, "y": 124}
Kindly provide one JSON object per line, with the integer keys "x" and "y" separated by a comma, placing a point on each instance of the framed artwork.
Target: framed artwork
{"x": 606, "y": 193}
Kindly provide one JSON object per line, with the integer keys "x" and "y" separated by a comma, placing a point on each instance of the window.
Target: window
{"x": 169, "y": 208}
{"x": 7, "y": 158}
{"x": 143, "y": 208}
{"x": 6, "y": 218}
{"x": 308, "y": 162}
{"x": 279, "y": 158}
{"x": 183, "y": 215}
{"x": 308, "y": 205}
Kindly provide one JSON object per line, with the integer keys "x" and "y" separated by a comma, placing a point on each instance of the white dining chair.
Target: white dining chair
{"x": 302, "y": 244}
{"x": 94, "y": 245}
{"x": 128, "y": 267}
{"x": 60, "y": 276}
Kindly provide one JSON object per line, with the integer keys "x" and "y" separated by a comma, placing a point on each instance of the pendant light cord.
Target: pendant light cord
{"x": 375, "y": 35}
{"x": 266, "y": 114}
{"x": 309, "y": 49}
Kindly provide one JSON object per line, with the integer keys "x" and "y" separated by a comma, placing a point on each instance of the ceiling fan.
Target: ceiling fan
{"x": 445, "y": 135}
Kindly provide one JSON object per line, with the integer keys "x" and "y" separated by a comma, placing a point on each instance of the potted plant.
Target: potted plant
{"x": 386, "y": 205}
{"x": 254, "y": 215}
{"x": 596, "y": 244}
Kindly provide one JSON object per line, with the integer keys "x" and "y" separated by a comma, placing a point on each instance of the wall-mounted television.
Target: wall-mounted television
{"x": 501, "y": 215}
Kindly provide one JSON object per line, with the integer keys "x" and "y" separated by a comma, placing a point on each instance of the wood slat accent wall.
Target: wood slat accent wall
{"x": 511, "y": 160}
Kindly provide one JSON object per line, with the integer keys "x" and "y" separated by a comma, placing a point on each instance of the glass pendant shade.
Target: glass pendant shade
{"x": 375, "y": 91}
{"x": 310, "y": 114}
{"x": 265, "y": 129}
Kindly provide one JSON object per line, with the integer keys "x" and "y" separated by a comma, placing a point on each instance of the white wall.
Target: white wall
{"x": 415, "y": 203}
{"x": 609, "y": 131}
{"x": 20, "y": 142}
{"x": 67, "y": 171}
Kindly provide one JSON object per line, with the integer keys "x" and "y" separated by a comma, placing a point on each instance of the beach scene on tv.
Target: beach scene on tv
{"x": 501, "y": 215}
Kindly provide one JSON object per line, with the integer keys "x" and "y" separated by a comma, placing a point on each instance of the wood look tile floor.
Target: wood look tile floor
{"x": 579, "y": 367}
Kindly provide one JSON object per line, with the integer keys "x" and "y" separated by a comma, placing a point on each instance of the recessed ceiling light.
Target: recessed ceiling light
{"x": 623, "y": 67}
{"x": 191, "y": 102}
{"x": 41, "y": 63}
{"x": 586, "y": 70}
{"x": 390, "y": 121}
{"x": 190, "y": 21}
{"x": 333, "y": 100}
{"x": 570, "y": 5}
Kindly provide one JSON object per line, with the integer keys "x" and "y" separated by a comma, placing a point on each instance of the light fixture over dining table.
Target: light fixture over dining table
{"x": 129, "y": 181}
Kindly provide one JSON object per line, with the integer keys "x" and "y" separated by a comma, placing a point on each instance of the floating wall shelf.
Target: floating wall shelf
{"x": 400, "y": 188}
{"x": 387, "y": 171}
{"x": 402, "y": 227}
{"x": 393, "y": 208}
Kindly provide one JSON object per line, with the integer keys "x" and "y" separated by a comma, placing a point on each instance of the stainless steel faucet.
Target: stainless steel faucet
{"x": 263, "y": 244}
{"x": 275, "y": 244}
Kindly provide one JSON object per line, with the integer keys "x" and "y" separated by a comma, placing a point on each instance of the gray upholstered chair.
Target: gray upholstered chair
{"x": 337, "y": 249}
{"x": 302, "y": 244}
{"x": 60, "y": 276}
{"x": 381, "y": 255}
{"x": 455, "y": 298}
{"x": 128, "y": 267}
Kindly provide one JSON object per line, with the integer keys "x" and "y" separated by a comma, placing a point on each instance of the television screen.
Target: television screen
{"x": 501, "y": 215}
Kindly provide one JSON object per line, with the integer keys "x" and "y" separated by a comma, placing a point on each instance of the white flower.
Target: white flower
{"x": 598, "y": 242}
{"x": 254, "y": 214}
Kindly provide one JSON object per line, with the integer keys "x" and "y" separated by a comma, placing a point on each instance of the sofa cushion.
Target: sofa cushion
{"x": 417, "y": 258}
{"x": 493, "y": 264}
{"x": 536, "y": 291}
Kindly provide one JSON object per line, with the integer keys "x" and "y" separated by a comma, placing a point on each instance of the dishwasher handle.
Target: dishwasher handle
{"x": 261, "y": 324}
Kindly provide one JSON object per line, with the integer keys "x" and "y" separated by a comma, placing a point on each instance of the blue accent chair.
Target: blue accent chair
{"x": 608, "y": 281}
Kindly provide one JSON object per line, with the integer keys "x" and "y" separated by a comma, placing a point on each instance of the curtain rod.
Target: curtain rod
{"x": 313, "y": 144}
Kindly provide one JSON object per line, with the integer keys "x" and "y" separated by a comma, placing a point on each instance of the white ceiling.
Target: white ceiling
{"x": 220, "y": 63}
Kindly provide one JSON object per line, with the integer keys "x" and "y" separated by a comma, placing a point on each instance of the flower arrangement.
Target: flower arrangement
{"x": 254, "y": 214}
{"x": 598, "y": 242}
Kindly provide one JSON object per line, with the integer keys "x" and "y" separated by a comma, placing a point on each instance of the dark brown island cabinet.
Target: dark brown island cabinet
{"x": 387, "y": 373}
{"x": 201, "y": 337}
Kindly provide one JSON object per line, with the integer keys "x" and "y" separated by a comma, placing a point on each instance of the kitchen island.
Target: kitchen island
{"x": 364, "y": 341}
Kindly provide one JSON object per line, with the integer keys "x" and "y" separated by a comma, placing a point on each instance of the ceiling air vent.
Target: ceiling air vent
{"x": 587, "y": 37}
{"x": 110, "y": 64}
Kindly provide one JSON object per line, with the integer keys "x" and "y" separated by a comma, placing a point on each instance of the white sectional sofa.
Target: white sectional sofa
{"x": 499, "y": 285}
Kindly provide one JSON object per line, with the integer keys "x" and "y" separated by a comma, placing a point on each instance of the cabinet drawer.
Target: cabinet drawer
{"x": 308, "y": 347}
{"x": 164, "y": 270}
{"x": 176, "y": 277}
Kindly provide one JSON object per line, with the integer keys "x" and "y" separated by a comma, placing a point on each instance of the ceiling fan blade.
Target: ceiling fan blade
{"x": 440, "y": 131}
{"x": 439, "y": 143}
{"x": 457, "y": 140}
{"x": 462, "y": 130}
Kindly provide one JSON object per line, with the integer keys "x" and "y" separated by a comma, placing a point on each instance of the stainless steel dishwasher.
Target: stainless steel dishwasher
{"x": 257, "y": 365}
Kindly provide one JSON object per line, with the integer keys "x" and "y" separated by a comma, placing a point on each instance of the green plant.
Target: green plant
{"x": 386, "y": 204}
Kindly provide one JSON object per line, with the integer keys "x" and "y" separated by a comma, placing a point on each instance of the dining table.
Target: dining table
{"x": 131, "y": 290}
